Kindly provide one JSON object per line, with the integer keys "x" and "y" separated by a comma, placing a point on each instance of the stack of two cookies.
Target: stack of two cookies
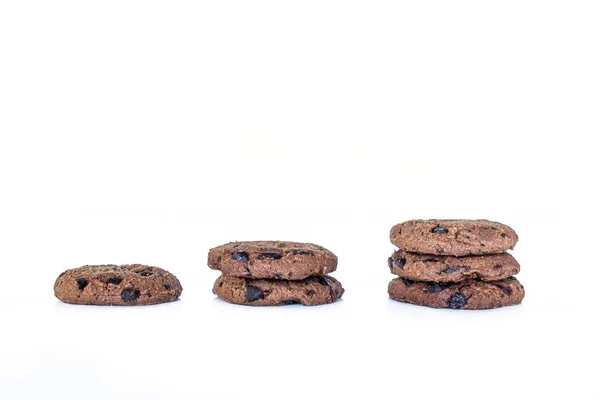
{"x": 272, "y": 273}
{"x": 460, "y": 264}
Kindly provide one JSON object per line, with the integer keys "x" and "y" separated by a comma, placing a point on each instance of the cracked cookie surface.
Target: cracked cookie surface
{"x": 272, "y": 260}
{"x": 436, "y": 268}
{"x": 311, "y": 291}
{"x": 455, "y": 237}
{"x": 117, "y": 285}
{"x": 467, "y": 295}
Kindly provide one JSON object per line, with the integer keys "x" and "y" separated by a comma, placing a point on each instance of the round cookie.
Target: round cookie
{"x": 272, "y": 260}
{"x": 468, "y": 295}
{"x": 454, "y": 237}
{"x": 434, "y": 268}
{"x": 312, "y": 291}
{"x": 113, "y": 285}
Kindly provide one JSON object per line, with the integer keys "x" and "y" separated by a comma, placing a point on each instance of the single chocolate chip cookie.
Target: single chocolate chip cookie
{"x": 311, "y": 291}
{"x": 114, "y": 285}
{"x": 468, "y": 295}
{"x": 272, "y": 260}
{"x": 454, "y": 237}
{"x": 435, "y": 268}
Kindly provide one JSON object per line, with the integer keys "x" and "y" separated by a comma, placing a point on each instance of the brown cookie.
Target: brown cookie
{"x": 272, "y": 260}
{"x": 454, "y": 237}
{"x": 312, "y": 291}
{"x": 467, "y": 295}
{"x": 113, "y": 285}
{"x": 434, "y": 268}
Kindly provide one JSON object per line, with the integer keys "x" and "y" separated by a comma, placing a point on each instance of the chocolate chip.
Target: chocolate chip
{"x": 310, "y": 292}
{"x": 323, "y": 280}
{"x": 115, "y": 280}
{"x": 290, "y": 275}
{"x": 240, "y": 256}
{"x": 168, "y": 287}
{"x": 451, "y": 270}
{"x": 504, "y": 235}
{"x": 81, "y": 283}
{"x": 400, "y": 262}
{"x": 253, "y": 293}
{"x": 439, "y": 229}
{"x": 497, "y": 266}
{"x": 407, "y": 282}
{"x": 129, "y": 295}
{"x": 278, "y": 276}
{"x": 220, "y": 284}
{"x": 457, "y": 300}
{"x": 436, "y": 287}
{"x": 269, "y": 256}
{"x": 303, "y": 252}
{"x": 146, "y": 273}
{"x": 506, "y": 290}
{"x": 390, "y": 262}
{"x": 288, "y": 302}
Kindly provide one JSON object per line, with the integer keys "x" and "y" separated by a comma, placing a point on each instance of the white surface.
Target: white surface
{"x": 152, "y": 131}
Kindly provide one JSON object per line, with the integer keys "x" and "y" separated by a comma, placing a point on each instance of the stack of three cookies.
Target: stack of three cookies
{"x": 273, "y": 273}
{"x": 460, "y": 264}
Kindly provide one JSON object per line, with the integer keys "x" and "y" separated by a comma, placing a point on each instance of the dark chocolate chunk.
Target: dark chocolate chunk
{"x": 323, "y": 280}
{"x": 115, "y": 280}
{"x": 81, "y": 283}
{"x": 288, "y": 302}
{"x": 146, "y": 273}
{"x": 129, "y": 295}
{"x": 457, "y": 300}
{"x": 407, "y": 282}
{"x": 439, "y": 229}
{"x": 436, "y": 287}
{"x": 451, "y": 270}
{"x": 240, "y": 256}
{"x": 269, "y": 256}
{"x": 400, "y": 262}
{"x": 303, "y": 252}
{"x": 506, "y": 290}
{"x": 253, "y": 293}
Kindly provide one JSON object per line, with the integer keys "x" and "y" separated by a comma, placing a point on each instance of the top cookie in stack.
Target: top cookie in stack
{"x": 454, "y": 264}
{"x": 270, "y": 273}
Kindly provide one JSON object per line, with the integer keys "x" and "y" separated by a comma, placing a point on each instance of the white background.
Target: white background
{"x": 151, "y": 131}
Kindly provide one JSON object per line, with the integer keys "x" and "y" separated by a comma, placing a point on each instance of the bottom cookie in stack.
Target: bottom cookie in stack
{"x": 471, "y": 294}
{"x": 273, "y": 273}
{"x": 469, "y": 282}
{"x": 311, "y": 291}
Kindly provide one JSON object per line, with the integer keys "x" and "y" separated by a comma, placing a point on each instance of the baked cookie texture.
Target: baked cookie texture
{"x": 311, "y": 291}
{"x": 436, "y": 268}
{"x": 466, "y": 295}
{"x": 453, "y": 237}
{"x": 272, "y": 260}
{"x": 117, "y": 285}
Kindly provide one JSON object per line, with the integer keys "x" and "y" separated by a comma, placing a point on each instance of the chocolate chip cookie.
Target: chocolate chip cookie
{"x": 435, "y": 268}
{"x": 113, "y": 285}
{"x": 467, "y": 295}
{"x": 272, "y": 260}
{"x": 311, "y": 291}
{"x": 458, "y": 237}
